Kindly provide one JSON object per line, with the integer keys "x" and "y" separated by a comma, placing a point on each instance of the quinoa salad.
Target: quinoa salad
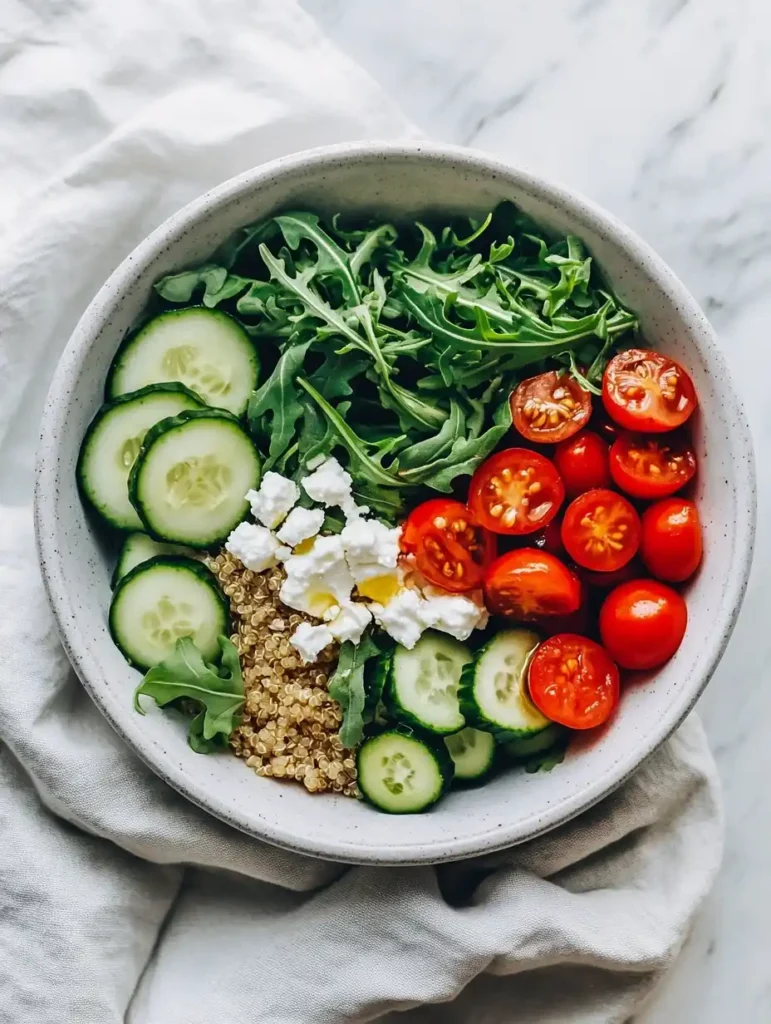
{"x": 396, "y": 508}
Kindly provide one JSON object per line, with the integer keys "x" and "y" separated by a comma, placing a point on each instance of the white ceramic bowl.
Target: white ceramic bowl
{"x": 397, "y": 181}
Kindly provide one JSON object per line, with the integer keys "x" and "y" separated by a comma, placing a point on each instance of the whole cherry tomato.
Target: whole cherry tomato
{"x": 671, "y": 543}
{"x": 550, "y": 407}
{"x": 526, "y": 584}
{"x": 450, "y": 550}
{"x": 647, "y": 391}
{"x": 582, "y": 462}
{"x": 573, "y": 681}
{"x": 642, "y": 623}
{"x": 652, "y": 467}
{"x": 601, "y": 530}
{"x": 516, "y": 491}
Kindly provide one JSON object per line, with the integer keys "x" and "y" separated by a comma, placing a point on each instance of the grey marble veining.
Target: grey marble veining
{"x": 659, "y": 110}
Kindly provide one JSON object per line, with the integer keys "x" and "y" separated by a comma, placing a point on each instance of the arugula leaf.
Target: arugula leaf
{"x": 382, "y": 237}
{"x": 422, "y": 453}
{"x": 331, "y": 259}
{"x": 217, "y": 285}
{"x": 346, "y": 686}
{"x": 278, "y": 399}
{"x": 218, "y": 691}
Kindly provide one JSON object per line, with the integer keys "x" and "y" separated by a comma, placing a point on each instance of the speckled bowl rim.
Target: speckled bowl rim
{"x": 61, "y": 601}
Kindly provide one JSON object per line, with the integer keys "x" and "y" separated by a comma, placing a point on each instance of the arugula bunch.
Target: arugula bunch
{"x": 400, "y": 345}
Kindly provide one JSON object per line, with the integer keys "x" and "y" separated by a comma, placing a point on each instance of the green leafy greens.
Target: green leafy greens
{"x": 215, "y": 692}
{"x": 348, "y": 687}
{"x": 398, "y": 346}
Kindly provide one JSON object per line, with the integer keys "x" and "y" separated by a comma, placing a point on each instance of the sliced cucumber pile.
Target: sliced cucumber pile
{"x": 162, "y": 600}
{"x": 191, "y": 477}
{"x": 203, "y": 348}
{"x": 138, "y": 548}
{"x": 493, "y": 689}
{"x": 113, "y": 441}
{"x": 403, "y": 774}
{"x": 473, "y": 754}
{"x": 422, "y": 686}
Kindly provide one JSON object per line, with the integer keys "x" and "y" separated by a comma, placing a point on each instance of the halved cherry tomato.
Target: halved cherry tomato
{"x": 601, "y": 530}
{"x": 582, "y": 462}
{"x": 642, "y": 623}
{"x": 573, "y": 681}
{"x": 645, "y": 390}
{"x": 516, "y": 491}
{"x": 526, "y": 583}
{"x": 652, "y": 467}
{"x": 450, "y": 550}
{"x": 671, "y": 539}
{"x": 550, "y": 407}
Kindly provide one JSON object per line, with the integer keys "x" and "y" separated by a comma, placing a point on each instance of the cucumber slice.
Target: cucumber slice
{"x": 191, "y": 477}
{"x": 524, "y": 747}
{"x": 493, "y": 689}
{"x": 203, "y": 348}
{"x": 422, "y": 686}
{"x": 402, "y": 774}
{"x": 472, "y": 752}
{"x": 162, "y": 600}
{"x": 138, "y": 548}
{"x": 113, "y": 441}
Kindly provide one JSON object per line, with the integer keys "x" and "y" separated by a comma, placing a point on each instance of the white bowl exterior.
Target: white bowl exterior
{"x": 397, "y": 181}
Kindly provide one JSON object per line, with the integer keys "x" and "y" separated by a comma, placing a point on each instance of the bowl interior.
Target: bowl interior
{"x": 397, "y": 182}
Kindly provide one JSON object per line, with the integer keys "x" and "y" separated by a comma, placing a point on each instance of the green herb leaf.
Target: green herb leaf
{"x": 331, "y": 259}
{"x": 215, "y": 281}
{"x": 346, "y": 686}
{"x": 278, "y": 400}
{"x": 219, "y": 692}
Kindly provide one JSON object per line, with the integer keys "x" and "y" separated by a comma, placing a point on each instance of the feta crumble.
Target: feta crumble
{"x": 349, "y": 622}
{"x": 309, "y": 641}
{"x": 371, "y": 548}
{"x": 455, "y": 614}
{"x": 255, "y": 547}
{"x": 317, "y": 579}
{"x": 301, "y": 524}
{"x": 274, "y": 499}
{"x": 400, "y": 618}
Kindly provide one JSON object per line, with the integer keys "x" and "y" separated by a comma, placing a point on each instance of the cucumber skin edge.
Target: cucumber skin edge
{"x": 441, "y": 755}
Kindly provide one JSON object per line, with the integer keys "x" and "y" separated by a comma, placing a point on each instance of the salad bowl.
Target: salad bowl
{"x": 397, "y": 182}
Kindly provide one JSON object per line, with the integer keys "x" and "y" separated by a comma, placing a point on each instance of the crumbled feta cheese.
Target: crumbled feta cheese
{"x": 256, "y": 547}
{"x": 371, "y": 548}
{"x": 330, "y": 484}
{"x": 349, "y": 622}
{"x": 310, "y": 640}
{"x": 275, "y": 497}
{"x": 455, "y": 614}
{"x": 317, "y": 579}
{"x": 401, "y": 617}
{"x": 300, "y": 525}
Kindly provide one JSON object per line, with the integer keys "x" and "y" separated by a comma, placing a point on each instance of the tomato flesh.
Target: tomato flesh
{"x": 550, "y": 407}
{"x": 573, "y": 681}
{"x": 645, "y": 390}
{"x": 601, "y": 530}
{"x": 526, "y": 584}
{"x": 515, "y": 492}
{"x": 671, "y": 545}
{"x": 582, "y": 462}
{"x": 652, "y": 467}
{"x": 450, "y": 550}
{"x": 642, "y": 623}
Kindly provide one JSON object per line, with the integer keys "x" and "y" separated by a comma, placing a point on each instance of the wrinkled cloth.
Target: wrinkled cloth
{"x": 120, "y": 901}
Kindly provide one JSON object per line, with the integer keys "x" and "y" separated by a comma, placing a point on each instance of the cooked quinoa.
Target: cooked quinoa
{"x": 290, "y": 723}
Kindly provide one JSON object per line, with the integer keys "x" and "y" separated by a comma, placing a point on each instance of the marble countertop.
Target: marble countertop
{"x": 659, "y": 110}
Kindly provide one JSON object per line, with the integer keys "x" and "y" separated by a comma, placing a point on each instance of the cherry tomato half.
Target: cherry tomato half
{"x": 671, "y": 539}
{"x": 652, "y": 467}
{"x": 642, "y": 623}
{"x": 601, "y": 530}
{"x": 450, "y": 550}
{"x": 550, "y": 407}
{"x": 526, "y": 583}
{"x": 645, "y": 390}
{"x": 573, "y": 681}
{"x": 582, "y": 462}
{"x": 516, "y": 491}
